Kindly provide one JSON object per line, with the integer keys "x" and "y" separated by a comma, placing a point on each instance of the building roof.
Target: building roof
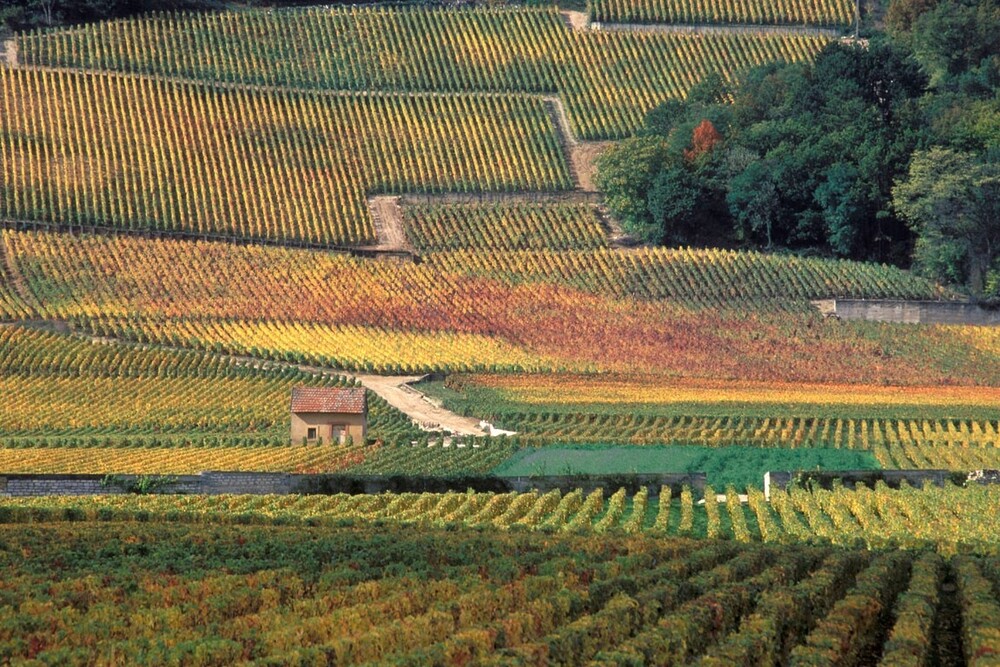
{"x": 344, "y": 400}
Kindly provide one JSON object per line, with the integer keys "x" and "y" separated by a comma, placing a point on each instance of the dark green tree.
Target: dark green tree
{"x": 952, "y": 201}
{"x": 672, "y": 201}
{"x": 626, "y": 172}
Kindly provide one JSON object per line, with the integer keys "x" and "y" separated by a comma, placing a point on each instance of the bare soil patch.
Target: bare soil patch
{"x": 397, "y": 392}
{"x": 387, "y": 219}
{"x": 583, "y": 157}
{"x": 10, "y": 52}
{"x": 575, "y": 20}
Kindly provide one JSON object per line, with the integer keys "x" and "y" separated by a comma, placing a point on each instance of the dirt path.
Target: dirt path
{"x": 618, "y": 238}
{"x": 582, "y": 154}
{"x": 397, "y": 391}
{"x": 10, "y": 52}
{"x": 583, "y": 157}
{"x": 575, "y": 20}
{"x": 387, "y": 218}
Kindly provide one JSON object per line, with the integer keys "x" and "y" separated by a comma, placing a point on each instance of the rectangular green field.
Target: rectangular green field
{"x": 740, "y": 466}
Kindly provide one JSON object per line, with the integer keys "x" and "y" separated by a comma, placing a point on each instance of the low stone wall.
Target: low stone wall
{"x": 211, "y": 483}
{"x": 261, "y": 483}
{"x": 915, "y": 312}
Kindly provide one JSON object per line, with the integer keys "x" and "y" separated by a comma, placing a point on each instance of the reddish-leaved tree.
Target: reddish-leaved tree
{"x": 703, "y": 139}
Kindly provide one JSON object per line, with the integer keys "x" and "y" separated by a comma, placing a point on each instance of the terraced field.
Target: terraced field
{"x": 607, "y": 80}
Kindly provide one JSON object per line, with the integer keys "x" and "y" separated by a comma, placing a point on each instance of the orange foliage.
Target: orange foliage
{"x": 704, "y": 138}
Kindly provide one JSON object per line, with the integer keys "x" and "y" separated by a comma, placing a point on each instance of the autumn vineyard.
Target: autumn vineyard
{"x": 201, "y": 211}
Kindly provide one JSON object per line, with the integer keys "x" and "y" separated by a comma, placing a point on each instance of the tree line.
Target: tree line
{"x": 883, "y": 149}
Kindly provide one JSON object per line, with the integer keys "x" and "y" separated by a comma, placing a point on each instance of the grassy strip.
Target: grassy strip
{"x": 725, "y": 466}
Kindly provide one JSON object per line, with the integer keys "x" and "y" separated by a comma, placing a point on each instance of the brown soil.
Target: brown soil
{"x": 387, "y": 218}
{"x": 10, "y": 52}
{"x": 584, "y": 157}
{"x": 575, "y": 20}
{"x": 397, "y": 392}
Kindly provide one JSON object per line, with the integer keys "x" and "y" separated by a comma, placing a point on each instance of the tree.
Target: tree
{"x": 755, "y": 203}
{"x": 902, "y": 14}
{"x": 841, "y": 199}
{"x": 704, "y": 138}
{"x": 951, "y": 200}
{"x": 672, "y": 200}
{"x": 955, "y": 37}
{"x": 625, "y": 173}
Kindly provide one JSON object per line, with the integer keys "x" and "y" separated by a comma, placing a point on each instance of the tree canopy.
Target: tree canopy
{"x": 816, "y": 157}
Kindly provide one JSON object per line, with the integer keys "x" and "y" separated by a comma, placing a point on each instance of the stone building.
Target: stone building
{"x": 329, "y": 413}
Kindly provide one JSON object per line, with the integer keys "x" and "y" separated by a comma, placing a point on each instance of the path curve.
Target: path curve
{"x": 396, "y": 390}
{"x": 582, "y": 155}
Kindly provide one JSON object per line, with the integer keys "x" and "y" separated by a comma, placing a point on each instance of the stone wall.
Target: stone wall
{"x": 211, "y": 483}
{"x": 260, "y": 483}
{"x": 915, "y": 312}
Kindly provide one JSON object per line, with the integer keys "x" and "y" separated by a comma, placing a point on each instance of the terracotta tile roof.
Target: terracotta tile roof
{"x": 349, "y": 400}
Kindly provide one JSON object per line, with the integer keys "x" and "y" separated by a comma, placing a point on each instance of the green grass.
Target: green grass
{"x": 740, "y": 466}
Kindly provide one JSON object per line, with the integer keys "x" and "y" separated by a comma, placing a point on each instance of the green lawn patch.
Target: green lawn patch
{"x": 740, "y": 466}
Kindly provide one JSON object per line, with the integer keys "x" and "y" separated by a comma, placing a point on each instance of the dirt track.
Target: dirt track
{"x": 10, "y": 53}
{"x": 395, "y": 390}
{"x": 387, "y": 218}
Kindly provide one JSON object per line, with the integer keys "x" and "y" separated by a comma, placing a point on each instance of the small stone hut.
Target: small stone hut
{"x": 329, "y": 413}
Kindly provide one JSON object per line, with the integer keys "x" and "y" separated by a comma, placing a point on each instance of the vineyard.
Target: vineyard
{"x": 501, "y": 228}
{"x": 375, "y": 316}
{"x": 175, "y": 157}
{"x": 59, "y": 388}
{"x": 192, "y": 454}
{"x": 607, "y": 80}
{"x": 949, "y": 519}
{"x": 195, "y": 218}
{"x": 703, "y": 277}
{"x": 216, "y": 595}
{"x": 780, "y": 12}
{"x": 953, "y": 429}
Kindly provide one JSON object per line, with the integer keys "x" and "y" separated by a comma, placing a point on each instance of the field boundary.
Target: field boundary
{"x": 719, "y": 29}
{"x": 581, "y": 22}
{"x": 214, "y": 482}
{"x": 369, "y": 252}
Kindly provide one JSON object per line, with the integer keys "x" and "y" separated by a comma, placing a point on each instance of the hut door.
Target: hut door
{"x": 337, "y": 433}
